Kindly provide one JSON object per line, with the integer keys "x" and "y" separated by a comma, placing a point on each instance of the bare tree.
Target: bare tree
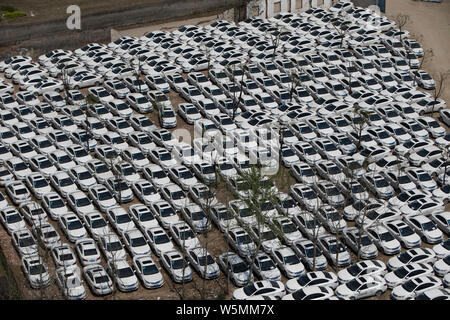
{"x": 440, "y": 80}
{"x": 361, "y": 123}
{"x": 401, "y": 20}
{"x": 65, "y": 78}
{"x": 341, "y": 28}
{"x": 236, "y": 100}
{"x": 426, "y": 58}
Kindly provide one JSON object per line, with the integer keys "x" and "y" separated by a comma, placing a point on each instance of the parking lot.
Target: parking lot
{"x": 358, "y": 129}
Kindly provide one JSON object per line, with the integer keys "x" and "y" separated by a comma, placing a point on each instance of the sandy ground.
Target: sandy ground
{"x": 430, "y": 24}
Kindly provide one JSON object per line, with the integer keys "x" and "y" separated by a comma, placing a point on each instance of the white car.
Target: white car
{"x": 87, "y": 252}
{"x": 442, "y": 220}
{"x": 413, "y": 287}
{"x": 264, "y": 287}
{"x": 156, "y": 175}
{"x": 235, "y": 268}
{"x": 101, "y": 197}
{"x": 112, "y": 247}
{"x": 407, "y": 272}
{"x": 35, "y": 271}
{"x": 288, "y": 262}
{"x": 442, "y": 249}
{"x": 425, "y": 228}
{"x": 47, "y": 234}
{"x": 312, "y": 279}
{"x": 360, "y": 243}
{"x": 403, "y": 233}
{"x": 70, "y": 283}
{"x": 148, "y": 272}
{"x": 363, "y": 268}
{"x": 17, "y": 192}
{"x": 361, "y": 287}
{"x": 176, "y": 266}
{"x": 203, "y": 263}
{"x": 442, "y": 266}
{"x": 63, "y": 256}
{"x": 24, "y": 242}
{"x": 311, "y": 293}
{"x": 125, "y": 279}
{"x": 96, "y": 224}
{"x": 72, "y": 227}
{"x": 98, "y": 280}
{"x": 383, "y": 239}
{"x": 12, "y": 220}
{"x": 175, "y": 196}
{"x": 334, "y": 250}
{"x": 120, "y": 219}
{"x": 136, "y": 243}
{"x": 419, "y": 255}
{"x": 159, "y": 241}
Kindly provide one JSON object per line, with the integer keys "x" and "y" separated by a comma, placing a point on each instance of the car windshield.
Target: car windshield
{"x": 13, "y": 218}
{"x": 125, "y": 272}
{"x": 98, "y": 223}
{"x": 354, "y": 270}
{"x": 381, "y": 183}
{"x": 65, "y": 182}
{"x": 333, "y": 248}
{"x": 138, "y": 242}
{"x": 150, "y": 269}
{"x": 424, "y": 177}
{"x": 104, "y": 196}
{"x": 101, "y": 279}
{"x": 267, "y": 265}
{"x": 41, "y": 183}
{"x": 208, "y": 260}
{"x": 81, "y": 153}
{"x": 401, "y": 272}
{"x": 386, "y": 236}
{"x": 128, "y": 171}
{"x": 82, "y": 202}
{"x": 353, "y": 285}
{"x": 428, "y": 226}
{"x": 74, "y": 225}
{"x": 122, "y": 186}
{"x": 161, "y": 239}
{"x": 37, "y": 269}
{"x": 113, "y": 246}
{"x": 291, "y": 260}
{"x": 178, "y": 264}
{"x": 123, "y": 218}
{"x": 26, "y": 242}
{"x": 56, "y": 204}
{"x": 409, "y": 286}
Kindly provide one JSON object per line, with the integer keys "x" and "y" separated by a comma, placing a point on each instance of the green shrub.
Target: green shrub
{"x": 7, "y": 9}
{"x": 14, "y": 14}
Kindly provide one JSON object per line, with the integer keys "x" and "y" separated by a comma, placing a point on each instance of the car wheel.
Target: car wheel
{"x": 421, "y": 112}
{"x": 378, "y": 293}
{"x": 76, "y": 87}
{"x": 352, "y": 298}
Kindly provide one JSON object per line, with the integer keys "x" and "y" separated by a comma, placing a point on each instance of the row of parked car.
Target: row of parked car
{"x": 48, "y": 146}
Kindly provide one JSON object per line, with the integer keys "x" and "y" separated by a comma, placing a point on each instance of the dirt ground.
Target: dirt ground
{"x": 429, "y": 22}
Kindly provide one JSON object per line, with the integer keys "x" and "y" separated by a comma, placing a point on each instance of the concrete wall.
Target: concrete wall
{"x": 96, "y": 27}
{"x": 266, "y": 7}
